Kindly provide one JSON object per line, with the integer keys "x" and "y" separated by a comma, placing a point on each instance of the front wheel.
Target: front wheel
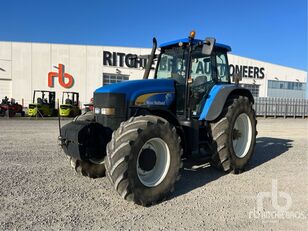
{"x": 92, "y": 168}
{"x": 143, "y": 159}
{"x": 233, "y": 135}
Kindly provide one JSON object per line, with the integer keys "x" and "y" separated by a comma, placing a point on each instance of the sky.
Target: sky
{"x": 269, "y": 30}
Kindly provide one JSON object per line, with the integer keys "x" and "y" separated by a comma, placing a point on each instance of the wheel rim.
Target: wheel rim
{"x": 153, "y": 162}
{"x": 242, "y": 135}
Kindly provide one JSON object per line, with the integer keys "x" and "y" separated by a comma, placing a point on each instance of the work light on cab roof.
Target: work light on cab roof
{"x": 192, "y": 34}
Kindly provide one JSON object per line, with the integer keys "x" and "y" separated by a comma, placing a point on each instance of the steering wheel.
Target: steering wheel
{"x": 178, "y": 78}
{"x": 198, "y": 83}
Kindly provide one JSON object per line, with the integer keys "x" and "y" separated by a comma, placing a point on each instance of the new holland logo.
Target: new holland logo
{"x": 65, "y": 80}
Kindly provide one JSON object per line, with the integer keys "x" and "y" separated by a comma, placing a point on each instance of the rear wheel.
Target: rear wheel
{"x": 233, "y": 135}
{"x": 72, "y": 113}
{"x": 143, "y": 159}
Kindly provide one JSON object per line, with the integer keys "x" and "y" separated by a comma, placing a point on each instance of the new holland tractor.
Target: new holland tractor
{"x": 143, "y": 129}
{"x": 70, "y": 106}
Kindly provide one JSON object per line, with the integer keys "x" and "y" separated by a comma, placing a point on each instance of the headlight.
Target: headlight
{"x": 97, "y": 110}
{"x": 108, "y": 111}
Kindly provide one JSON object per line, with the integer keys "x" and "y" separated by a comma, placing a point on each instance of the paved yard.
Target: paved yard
{"x": 39, "y": 190}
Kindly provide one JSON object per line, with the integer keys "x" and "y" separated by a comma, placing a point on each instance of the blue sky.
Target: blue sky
{"x": 268, "y": 30}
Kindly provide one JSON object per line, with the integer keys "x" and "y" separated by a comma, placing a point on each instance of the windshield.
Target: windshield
{"x": 173, "y": 64}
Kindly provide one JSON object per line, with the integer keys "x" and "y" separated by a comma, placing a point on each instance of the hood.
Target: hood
{"x": 134, "y": 88}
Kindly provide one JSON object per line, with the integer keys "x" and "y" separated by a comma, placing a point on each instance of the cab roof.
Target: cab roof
{"x": 186, "y": 40}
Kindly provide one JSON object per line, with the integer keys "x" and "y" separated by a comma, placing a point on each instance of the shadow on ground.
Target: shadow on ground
{"x": 268, "y": 148}
{"x": 198, "y": 172}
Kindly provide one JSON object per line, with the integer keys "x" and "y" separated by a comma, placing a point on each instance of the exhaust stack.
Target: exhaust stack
{"x": 150, "y": 61}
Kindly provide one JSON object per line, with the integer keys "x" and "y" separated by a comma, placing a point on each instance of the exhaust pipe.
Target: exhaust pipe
{"x": 150, "y": 61}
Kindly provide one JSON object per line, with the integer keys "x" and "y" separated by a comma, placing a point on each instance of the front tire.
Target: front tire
{"x": 87, "y": 168}
{"x": 93, "y": 168}
{"x": 233, "y": 135}
{"x": 143, "y": 159}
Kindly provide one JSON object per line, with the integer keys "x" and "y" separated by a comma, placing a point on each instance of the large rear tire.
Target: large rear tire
{"x": 233, "y": 135}
{"x": 143, "y": 159}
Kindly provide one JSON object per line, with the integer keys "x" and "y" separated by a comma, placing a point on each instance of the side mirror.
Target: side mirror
{"x": 208, "y": 46}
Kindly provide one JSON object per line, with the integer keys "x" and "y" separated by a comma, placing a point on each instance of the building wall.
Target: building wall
{"x": 272, "y": 72}
{"x": 5, "y": 70}
{"x": 25, "y": 67}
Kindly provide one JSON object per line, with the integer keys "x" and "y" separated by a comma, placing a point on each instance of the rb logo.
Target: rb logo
{"x": 274, "y": 195}
{"x": 61, "y": 77}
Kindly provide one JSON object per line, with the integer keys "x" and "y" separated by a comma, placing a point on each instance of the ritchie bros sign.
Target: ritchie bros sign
{"x": 247, "y": 71}
{"x": 119, "y": 59}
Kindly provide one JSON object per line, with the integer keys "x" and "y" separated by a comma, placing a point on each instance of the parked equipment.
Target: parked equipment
{"x": 10, "y": 108}
{"x": 44, "y": 104}
{"x": 89, "y": 106}
{"x": 70, "y": 106}
{"x": 143, "y": 128}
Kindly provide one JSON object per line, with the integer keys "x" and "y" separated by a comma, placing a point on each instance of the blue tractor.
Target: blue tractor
{"x": 142, "y": 130}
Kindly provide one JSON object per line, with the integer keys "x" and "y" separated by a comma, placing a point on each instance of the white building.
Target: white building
{"x": 25, "y": 67}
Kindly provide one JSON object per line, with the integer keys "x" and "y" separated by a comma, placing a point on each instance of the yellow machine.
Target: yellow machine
{"x": 43, "y": 105}
{"x": 70, "y": 104}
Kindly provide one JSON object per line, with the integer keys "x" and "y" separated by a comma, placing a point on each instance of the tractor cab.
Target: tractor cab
{"x": 70, "y": 104}
{"x": 196, "y": 66}
{"x": 43, "y": 104}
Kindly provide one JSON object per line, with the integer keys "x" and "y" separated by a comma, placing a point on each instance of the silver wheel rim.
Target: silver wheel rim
{"x": 158, "y": 173}
{"x": 242, "y": 135}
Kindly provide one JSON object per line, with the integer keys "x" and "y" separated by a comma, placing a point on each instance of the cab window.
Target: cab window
{"x": 222, "y": 67}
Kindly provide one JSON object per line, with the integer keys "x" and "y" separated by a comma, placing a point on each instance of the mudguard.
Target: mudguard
{"x": 217, "y": 97}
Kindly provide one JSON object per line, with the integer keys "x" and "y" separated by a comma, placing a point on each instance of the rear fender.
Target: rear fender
{"x": 218, "y": 97}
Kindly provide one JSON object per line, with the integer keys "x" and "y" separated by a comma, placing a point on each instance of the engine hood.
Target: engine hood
{"x": 134, "y": 88}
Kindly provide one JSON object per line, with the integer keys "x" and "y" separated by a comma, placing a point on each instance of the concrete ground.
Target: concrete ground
{"x": 40, "y": 191}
